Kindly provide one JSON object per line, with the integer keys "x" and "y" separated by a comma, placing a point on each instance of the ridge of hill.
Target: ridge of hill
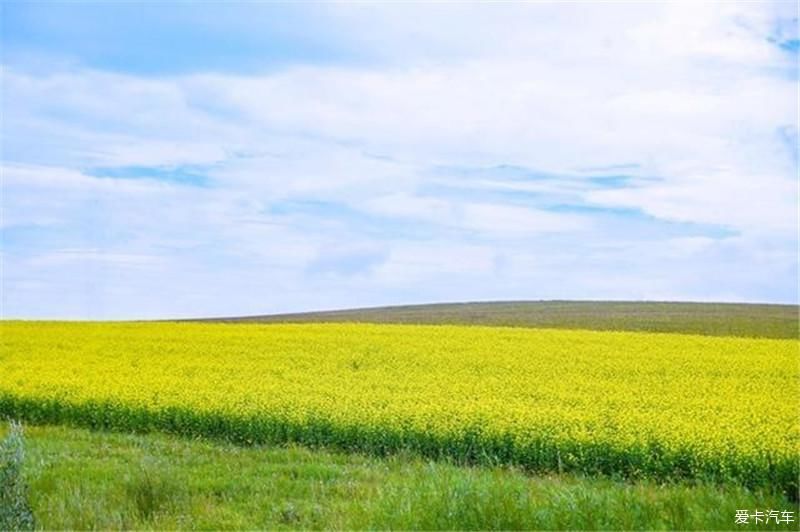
{"x": 716, "y": 319}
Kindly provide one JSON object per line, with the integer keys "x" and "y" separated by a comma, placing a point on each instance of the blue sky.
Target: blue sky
{"x": 200, "y": 159}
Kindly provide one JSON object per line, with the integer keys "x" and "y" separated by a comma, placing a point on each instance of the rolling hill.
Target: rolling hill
{"x": 716, "y": 319}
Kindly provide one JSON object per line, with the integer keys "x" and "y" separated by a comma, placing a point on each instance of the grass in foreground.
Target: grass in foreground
{"x": 80, "y": 479}
{"x": 657, "y": 406}
{"x": 715, "y": 319}
{"x": 15, "y": 513}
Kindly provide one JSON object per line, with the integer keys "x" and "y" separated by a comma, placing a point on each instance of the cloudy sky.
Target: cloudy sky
{"x": 170, "y": 160}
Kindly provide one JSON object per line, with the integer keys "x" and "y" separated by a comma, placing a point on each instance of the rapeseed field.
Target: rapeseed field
{"x": 624, "y": 404}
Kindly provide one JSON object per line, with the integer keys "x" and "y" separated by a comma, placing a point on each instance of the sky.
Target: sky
{"x": 217, "y": 159}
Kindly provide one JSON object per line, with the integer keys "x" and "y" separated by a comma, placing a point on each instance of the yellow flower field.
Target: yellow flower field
{"x": 638, "y": 405}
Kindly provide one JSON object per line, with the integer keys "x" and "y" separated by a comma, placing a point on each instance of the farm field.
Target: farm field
{"x": 81, "y": 479}
{"x": 376, "y": 265}
{"x": 717, "y": 319}
{"x": 664, "y": 407}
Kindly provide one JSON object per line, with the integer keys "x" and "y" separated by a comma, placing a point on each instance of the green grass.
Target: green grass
{"x": 81, "y": 479}
{"x": 717, "y": 319}
{"x": 15, "y": 512}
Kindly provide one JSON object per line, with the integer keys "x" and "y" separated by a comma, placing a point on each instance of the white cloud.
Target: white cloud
{"x": 85, "y": 256}
{"x": 428, "y": 209}
{"x": 493, "y": 220}
{"x": 748, "y": 202}
{"x": 415, "y": 261}
{"x": 504, "y": 220}
{"x": 309, "y": 160}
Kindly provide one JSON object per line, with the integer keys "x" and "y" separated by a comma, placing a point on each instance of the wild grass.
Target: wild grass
{"x": 15, "y": 512}
{"x": 81, "y": 479}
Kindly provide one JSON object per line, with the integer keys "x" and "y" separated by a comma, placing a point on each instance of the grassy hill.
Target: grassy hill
{"x": 718, "y": 319}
